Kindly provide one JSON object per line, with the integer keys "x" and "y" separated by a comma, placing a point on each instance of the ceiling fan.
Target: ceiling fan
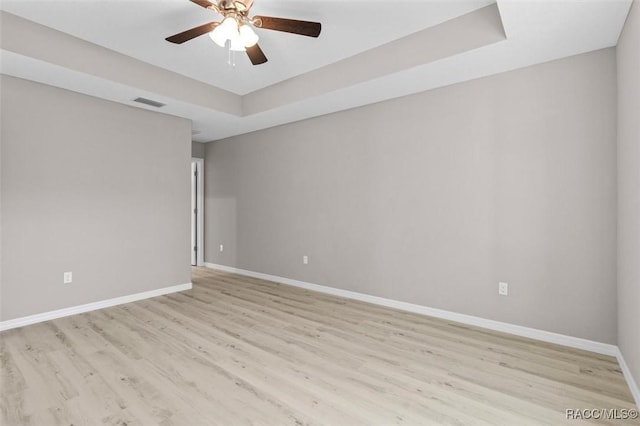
{"x": 235, "y": 27}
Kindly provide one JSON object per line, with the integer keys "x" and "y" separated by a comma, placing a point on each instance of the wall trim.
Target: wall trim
{"x": 518, "y": 330}
{"x": 65, "y": 312}
{"x": 633, "y": 386}
{"x": 200, "y": 206}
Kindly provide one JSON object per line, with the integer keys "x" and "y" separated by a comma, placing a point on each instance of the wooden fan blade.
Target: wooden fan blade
{"x": 305, "y": 28}
{"x": 256, "y": 55}
{"x": 204, "y": 3}
{"x": 192, "y": 33}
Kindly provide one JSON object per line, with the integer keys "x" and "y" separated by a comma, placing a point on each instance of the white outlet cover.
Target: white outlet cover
{"x": 67, "y": 277}
{"x": 221, "y": 247}
{"x": 503, "y": 289}
{"x": 305, "y": 260}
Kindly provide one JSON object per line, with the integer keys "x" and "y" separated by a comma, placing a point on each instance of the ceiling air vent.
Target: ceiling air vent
{"x": 149, "y": 102}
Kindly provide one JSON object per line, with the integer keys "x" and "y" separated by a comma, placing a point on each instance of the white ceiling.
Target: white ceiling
{"x": 536, "y": 31}
{"x": 138, "y": 28}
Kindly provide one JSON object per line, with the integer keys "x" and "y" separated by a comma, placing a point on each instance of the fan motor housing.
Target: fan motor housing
{"x": 239, "y": 5}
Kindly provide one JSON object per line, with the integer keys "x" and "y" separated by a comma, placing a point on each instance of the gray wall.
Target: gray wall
{"x": 197, "y": 150}
{"x": 434, "y": 198}
{"x": 628, "y": 55}
{"x": 91, "y": 187}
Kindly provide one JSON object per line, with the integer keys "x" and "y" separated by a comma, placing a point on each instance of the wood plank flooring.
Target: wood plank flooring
{"x": 237, "y": 350}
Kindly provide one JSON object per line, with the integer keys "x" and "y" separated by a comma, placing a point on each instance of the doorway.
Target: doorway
{"x": 197, "y": 212}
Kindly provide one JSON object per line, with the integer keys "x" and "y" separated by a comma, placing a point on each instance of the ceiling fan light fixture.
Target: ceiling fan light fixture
{"x": 248, "y": 36}
{"x": 228, "y": 29}
{"x": 236, "y": 27}
{"x": 219, "y": 36}
{"x": 236, "y": 44}
{"x": 230, "y": 24}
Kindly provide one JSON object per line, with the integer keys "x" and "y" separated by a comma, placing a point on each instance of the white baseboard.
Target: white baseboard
{"x": 633, "y": 386}
{"x": 46, "y": 316}
{"x": 518, "y": 330}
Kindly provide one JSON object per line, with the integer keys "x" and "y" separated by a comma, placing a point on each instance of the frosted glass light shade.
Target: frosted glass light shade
{"x": 236, "y": 44}
{"x": 248, "y": 36}
{"x": 228, "y": 29}
{"x": 218, "y": 36}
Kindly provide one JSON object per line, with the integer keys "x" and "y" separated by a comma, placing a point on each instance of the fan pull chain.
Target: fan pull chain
{"x": 231, "y": 60}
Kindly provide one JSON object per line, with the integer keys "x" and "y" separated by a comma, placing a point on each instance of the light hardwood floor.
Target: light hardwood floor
{"x": 238, "y": 350}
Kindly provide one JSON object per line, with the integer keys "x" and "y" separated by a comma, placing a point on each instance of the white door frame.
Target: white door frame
{"x": 199, "y": 162}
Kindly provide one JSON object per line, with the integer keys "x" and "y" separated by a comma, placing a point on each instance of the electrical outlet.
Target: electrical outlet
{"x": 503, "y": 289}
{"x": 221, "y": 247}
{"x": 305, "y": 260}
{"x": 67, "y": 277}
